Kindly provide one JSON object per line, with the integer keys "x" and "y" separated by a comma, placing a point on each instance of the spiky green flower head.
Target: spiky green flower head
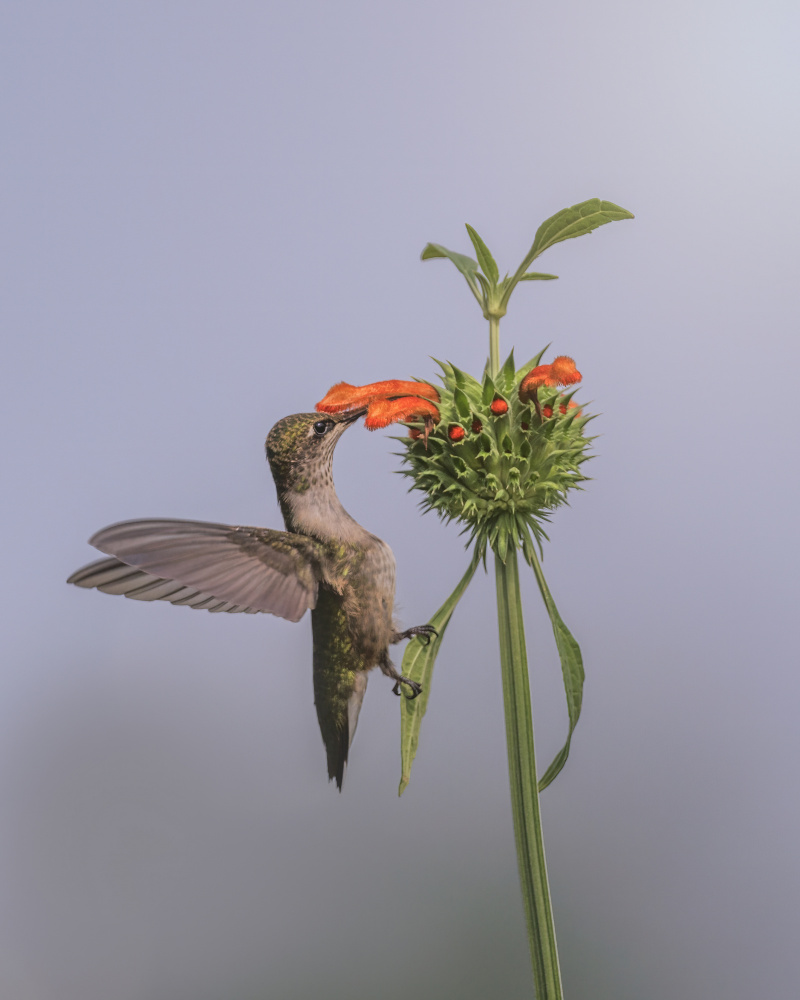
{"x": 499, "y": 461}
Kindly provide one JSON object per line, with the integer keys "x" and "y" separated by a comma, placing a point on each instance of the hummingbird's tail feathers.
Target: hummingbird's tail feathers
{"x": 354, "y": 704}
{"x": 250, "y": 569}
{"x": 338, "y": 702}
{"x": 337, "y": 758}
{"x": 114, "y": 577}
{"x": 338, "y": 749}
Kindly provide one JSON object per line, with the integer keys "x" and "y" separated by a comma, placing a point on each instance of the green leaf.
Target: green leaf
{"x": 571, "y": 665}
{"x": 485, "y": 258}
{"x": 508, "y": 372}
{"x": 564, "y": 225}
{"x": 418, "y": 664}
{"x": 459, "y": 377}
{"x": 466, "y": 265}
{"x": 537, "y": 276}
{"x": 462, "y": 403}
{"x": 576, "y": 221}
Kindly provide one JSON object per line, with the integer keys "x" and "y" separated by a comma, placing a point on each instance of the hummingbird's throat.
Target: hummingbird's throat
{"x": 317, "y": 511}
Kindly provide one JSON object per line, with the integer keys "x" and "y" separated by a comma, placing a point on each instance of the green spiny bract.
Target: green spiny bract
{"x": 508, "y": 473}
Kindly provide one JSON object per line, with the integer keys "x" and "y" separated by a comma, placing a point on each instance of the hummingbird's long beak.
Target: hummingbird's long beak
{"x": 352, "y": 415}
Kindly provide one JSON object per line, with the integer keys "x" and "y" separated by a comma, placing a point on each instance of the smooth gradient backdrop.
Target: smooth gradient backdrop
{"x": 213, "y": 211}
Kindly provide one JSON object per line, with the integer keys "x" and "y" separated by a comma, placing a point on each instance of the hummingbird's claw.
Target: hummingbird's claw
{"x": 423, "y": 631}
{"x": 415, "y": 687}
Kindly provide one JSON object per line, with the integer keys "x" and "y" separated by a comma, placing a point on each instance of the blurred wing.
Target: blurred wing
{"x": 214, "y": 566}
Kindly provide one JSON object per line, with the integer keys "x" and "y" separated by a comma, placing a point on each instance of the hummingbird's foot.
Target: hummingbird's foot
{"x": 416, "y": 688}
{"x": 423, "y": 631}
{"x": 390, "y": 670}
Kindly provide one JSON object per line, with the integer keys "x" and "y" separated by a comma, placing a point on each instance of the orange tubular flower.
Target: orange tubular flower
{"x": 387, "y": 402}
{"x": 382, "y": 412}
{"x": 342, "y": 396}
{"x": 561, "y": 371}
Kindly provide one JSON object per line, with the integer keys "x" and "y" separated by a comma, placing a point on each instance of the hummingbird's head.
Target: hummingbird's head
{"x": 300, "y": 449}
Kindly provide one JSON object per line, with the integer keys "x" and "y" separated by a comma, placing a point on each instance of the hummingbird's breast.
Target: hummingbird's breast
{"x": 367, "y": 583}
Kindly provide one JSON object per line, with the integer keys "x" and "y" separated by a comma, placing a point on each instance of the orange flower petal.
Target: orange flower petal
{"x": 564, "y": 371}
{"x": 383, "y": 412}
{"x": 343, "y": 396}
{"x": 536, "y": 378}
{"x": 340, "y": 397}
{"x": 561, "y": 372}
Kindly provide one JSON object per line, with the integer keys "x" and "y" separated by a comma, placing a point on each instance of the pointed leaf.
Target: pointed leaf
{"x": 576, "y": 221}
{"x": 418, "y": 664}
{"x": 462, "y": 403}
{"x": 466, "y": 265}
{"x": 537, "y": 276}
{"x": 508, "y": 372}
{"x": 571, "y": 665}
{"x": 485, "y": 258}
{"x": 564, "y": 225}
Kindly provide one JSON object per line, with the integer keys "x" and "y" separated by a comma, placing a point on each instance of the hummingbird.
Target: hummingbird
{"x": 324, "y": 561}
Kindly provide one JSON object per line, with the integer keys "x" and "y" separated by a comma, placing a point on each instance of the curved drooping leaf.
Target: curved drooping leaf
{"x": 466, "y": 265}
{"x": 417, "y": 665}
{"x": 571, "y": 665}
{"x": 485, "y": 259}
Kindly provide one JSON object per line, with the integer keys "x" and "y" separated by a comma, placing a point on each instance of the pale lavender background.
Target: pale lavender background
{"x": 212, "y": 212}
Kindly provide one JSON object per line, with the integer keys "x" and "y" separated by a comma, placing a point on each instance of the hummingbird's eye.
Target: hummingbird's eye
{"x": 322, "y": 427}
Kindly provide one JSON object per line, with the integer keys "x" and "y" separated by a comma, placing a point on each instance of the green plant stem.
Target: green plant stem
{"x": 494, "y": 346}
{"x": 522, "y": 777}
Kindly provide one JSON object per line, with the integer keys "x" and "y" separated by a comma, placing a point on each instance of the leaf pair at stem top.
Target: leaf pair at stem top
{"x": 483, "y": 276}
